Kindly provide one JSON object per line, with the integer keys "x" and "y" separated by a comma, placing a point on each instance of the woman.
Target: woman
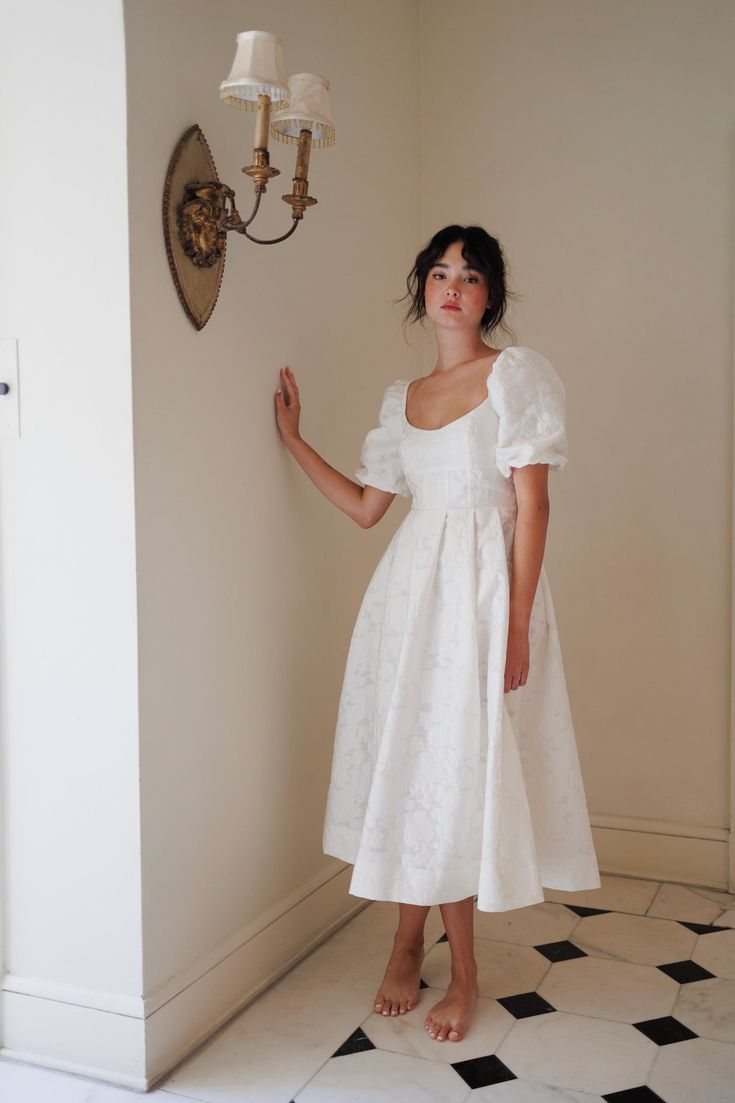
{"x": 455, "y": 773}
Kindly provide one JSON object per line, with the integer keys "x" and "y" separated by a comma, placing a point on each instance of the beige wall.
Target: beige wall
{"x": 595, "y": 141}
{"x": 178, "y": 598}
{"x": 569, "y": 131}
{"x": 248, "y": 579}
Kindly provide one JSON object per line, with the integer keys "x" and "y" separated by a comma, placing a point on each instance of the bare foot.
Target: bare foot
{"x": 450, "y": 1017}
{"x": 399, "y": 990}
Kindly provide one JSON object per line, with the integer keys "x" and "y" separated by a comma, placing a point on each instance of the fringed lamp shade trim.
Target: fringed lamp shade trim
{"x": 278, "y": 98}
{"x": 326, "y": 133}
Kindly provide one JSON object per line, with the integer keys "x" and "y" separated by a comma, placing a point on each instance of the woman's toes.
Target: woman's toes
{"x": 378, "y": 1005}
{"x": 456, "y": 1034}
{"x": 386, "y": 1007}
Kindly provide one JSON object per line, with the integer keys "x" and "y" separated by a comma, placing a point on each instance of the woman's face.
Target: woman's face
{"x": 452, "y": 283}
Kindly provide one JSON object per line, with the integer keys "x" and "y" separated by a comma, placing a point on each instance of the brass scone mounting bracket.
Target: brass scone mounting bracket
{"x": 195, "y": 241}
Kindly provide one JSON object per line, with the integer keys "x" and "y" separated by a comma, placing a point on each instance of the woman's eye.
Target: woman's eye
{"x": 440, "y": 276}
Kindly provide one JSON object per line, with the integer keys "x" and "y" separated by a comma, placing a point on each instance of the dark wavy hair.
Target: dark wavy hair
{"x": 480, "y": 250}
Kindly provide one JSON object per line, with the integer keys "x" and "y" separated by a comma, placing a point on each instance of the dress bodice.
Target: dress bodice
{"x": 467, "y": 462}
{"x": 454, "y": 466}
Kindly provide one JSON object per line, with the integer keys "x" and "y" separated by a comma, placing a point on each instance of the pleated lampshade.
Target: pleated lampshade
{"x": 257, "y": 70}
{"x": 308, "y": 108}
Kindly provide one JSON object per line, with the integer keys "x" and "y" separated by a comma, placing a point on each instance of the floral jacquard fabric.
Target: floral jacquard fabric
{"x": 380, "y": 464}
{"x": 442, "y": 785}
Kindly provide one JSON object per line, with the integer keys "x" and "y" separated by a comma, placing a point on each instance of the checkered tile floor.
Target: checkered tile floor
{"x": 624, "y": 993}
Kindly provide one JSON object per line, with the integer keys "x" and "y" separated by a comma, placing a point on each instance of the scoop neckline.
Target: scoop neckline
{"x": 462, "y": 417}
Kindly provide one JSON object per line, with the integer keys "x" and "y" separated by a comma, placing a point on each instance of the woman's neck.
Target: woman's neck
{"x": 459, "y": 348}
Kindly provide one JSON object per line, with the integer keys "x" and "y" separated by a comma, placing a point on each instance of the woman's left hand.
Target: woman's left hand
{"x": 287, "y": 415}
{"x": 517, "y": 659}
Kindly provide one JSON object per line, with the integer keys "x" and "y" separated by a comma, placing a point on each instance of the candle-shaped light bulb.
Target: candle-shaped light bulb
{"x": 302, "y": 155}
{"x": 262, "y": 122}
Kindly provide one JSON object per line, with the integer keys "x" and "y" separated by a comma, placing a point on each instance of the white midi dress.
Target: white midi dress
{"x": 442, "y": 785}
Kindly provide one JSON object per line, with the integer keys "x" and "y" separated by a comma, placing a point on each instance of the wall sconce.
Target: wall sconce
{"x": 198, "y": 209}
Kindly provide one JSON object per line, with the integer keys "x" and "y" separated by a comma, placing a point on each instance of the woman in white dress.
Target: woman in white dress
{"x": 455, "y": 773}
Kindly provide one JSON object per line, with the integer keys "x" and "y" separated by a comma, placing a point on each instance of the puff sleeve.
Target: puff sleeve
{"x": 530, "y": 401}
{"x": 380, "y": 463}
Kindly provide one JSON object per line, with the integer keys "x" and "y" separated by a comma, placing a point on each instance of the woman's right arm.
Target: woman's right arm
{"x": 364, "y": 505}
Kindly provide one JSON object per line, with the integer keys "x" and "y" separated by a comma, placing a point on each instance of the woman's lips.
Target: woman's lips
{"x": 448, "y": 306}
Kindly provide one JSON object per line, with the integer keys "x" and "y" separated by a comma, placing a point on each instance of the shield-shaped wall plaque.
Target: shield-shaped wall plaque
{"x": 197, "y": 283}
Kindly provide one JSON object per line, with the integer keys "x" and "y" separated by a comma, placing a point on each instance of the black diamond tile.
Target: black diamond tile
{"x": 665, "y": 1030}
{"x": 482, "y": 1071}
{"x": 444, "y": 938}
{"x": 684, "y": 972}
{"x": 634, "y": 1095}
{"x": 356, "y": 1043}
{"x": 422, "y": 983}
{"x": 701, "y": 928}
{"x": 560, "y": 951}
{"x": 579, "y": 910}
{"x": 528, "y": 1003}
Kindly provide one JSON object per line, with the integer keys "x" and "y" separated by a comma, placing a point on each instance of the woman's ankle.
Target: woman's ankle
{"x": 464, "y": 972}
{"x": 408, "y": 942}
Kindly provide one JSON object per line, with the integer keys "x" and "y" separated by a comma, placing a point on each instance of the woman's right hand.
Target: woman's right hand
{"x": 288, "y": 413}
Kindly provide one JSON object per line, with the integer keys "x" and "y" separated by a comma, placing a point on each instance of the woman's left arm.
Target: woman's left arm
{"x": 532, "y": 493}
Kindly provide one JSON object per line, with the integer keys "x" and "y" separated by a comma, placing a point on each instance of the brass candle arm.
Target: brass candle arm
{"x": 240, "y": 227}
{"x": 204, "y": 216}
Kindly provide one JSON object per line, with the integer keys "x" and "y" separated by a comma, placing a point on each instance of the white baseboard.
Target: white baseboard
{"x": 658, "y": 850}
{"x": 133, "y": 1042}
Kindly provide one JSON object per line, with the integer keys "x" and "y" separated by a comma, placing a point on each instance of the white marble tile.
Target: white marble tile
{"x": 716, "y": 952}
{"x": 623, "y": 894}
{"x": 679, "y": 902}
{"x": 727, "y": 919}
{"x": 635, "y": 938}
{"x": 607, "y": 989}
{"x": 273, "y": 1047}
{"x": 531, "y": 926}
{"x": 489, "y": 1024}
{"x": 22, "y": 1083}
{"x": 579, "y": 1053}
{"x": 503, "y": 968}
{"x": 696, "y": 1071}
{"x": 708, "y": 1008}
{"x": 528, "y": 1091}
{"x": 375, "y": 1076}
